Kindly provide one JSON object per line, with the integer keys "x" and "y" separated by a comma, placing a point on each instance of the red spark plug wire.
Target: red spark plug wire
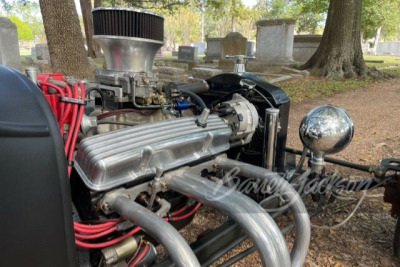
{"x": 62, "y": 105}
{"x": 140, "y": 256}
{"x": 107, "y": 243}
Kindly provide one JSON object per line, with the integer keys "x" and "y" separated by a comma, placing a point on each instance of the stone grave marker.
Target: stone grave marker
{"x": 251, "y": 48}
{"x": 201, "y": 47}
{"x": 274, "y": 44}
{"x": 233, "y": 44}
{"x": 42, "y": 52}
{"x": 214, "y": 49}
{"x": 187, "y": 53}
{"x": 9, "y": 47}
{"x": 304, "y": 46}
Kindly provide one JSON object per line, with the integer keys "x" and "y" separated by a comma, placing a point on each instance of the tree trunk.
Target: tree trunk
{"x": 398, "y": 35}
{"x": 377, "y": 38}
{"x": 97, "y": 3}
{"x": 64, "y": 38}
{"x": 92, "y": 48}
{"x": 203, "y": 14}
{"x": 339, "y": 54}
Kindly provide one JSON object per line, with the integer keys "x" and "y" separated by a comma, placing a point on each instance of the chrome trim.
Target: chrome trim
{"x": 128, "y": 53}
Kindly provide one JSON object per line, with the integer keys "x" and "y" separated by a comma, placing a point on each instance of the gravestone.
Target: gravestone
{"x": 201, "y": 47}
{"x": 9, "y": 47}
{"x": 214, "y": 49}
{"x": 388, "y": 48}
{"x": 304, "y": 46}
{"x": 251, "y": 48}
{"x": 42, "y": 52}
{"x": 187, "y": 53}
{"x": 275, "y": 42}
{"x": 233, "y": 44}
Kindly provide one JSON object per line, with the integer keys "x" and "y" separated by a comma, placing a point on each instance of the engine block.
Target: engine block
{"x": 115, "y": 158}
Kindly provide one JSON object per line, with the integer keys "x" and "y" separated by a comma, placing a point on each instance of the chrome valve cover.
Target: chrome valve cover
{"x": 112, "y": 159}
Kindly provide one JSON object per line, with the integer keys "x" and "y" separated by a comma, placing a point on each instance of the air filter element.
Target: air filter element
{"x": 130, "y": 38}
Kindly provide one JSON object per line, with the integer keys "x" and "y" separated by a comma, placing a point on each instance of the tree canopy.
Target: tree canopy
{"x": 24, "y": 32}
{"x": 28, "y": 12}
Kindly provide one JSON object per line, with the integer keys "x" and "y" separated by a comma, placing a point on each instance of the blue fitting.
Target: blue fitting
{"x": 181, "y": 105}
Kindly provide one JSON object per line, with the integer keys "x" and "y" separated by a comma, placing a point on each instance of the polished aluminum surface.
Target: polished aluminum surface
{"x": 128, "y": 53}
{"x": 32, "y": 74}
{"x": 287, "y": 193}
{"x": 258, "y": 224}
{"x": 176, "y": 246}
{"x": 112, "y": 159}
{"x": 326, "y": 129}
{"x": 270, "y": 137}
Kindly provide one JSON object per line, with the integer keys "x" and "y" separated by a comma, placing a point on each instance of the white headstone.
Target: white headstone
{"x": 214, "y": 48}
{"x": 275, "y": 41}
{"x": 9, "y": 47}
{"x": 201, "y": 47}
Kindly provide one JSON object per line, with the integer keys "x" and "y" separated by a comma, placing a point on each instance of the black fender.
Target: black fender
{"x": 36, "y": 226}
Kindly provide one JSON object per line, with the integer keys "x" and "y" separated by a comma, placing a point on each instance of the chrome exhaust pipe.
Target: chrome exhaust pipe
{"x": 301, "y": 217}
{"x": 260, "y": 227}
{"x": 148, "y": 221}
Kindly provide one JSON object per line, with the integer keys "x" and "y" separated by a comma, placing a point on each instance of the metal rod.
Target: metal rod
{"x": 165, "y": 233}
{"x": 270, "y": 137}
{"x": 364, "y": 168}
{"x": 260, "y": 227}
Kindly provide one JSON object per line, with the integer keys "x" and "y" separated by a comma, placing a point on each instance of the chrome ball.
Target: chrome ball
{"x": 326, "y": 129}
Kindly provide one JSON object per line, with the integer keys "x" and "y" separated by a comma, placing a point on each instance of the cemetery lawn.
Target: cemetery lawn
{"x": 390, "y": 66}
{"x": 313, "y": 87}
{"x": 299, "y": 90}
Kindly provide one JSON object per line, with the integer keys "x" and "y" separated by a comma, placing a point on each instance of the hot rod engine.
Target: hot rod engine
{"x": 142, "y": 156}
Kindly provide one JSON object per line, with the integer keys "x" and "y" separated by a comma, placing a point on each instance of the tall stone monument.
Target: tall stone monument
{"x": 9, "y": 47}
{"x": 274, "y": 45}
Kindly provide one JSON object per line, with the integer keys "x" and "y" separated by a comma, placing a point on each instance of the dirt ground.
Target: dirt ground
{"x": 366, "y": 239}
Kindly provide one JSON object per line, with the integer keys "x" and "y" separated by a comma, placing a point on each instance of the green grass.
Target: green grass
{"x": 388, "y": 61}
{"x": 300, "y": 90}
{"x": 395, "y": 71}
{"x": 390, "y": 66}
{"x": 25, "y": 52}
